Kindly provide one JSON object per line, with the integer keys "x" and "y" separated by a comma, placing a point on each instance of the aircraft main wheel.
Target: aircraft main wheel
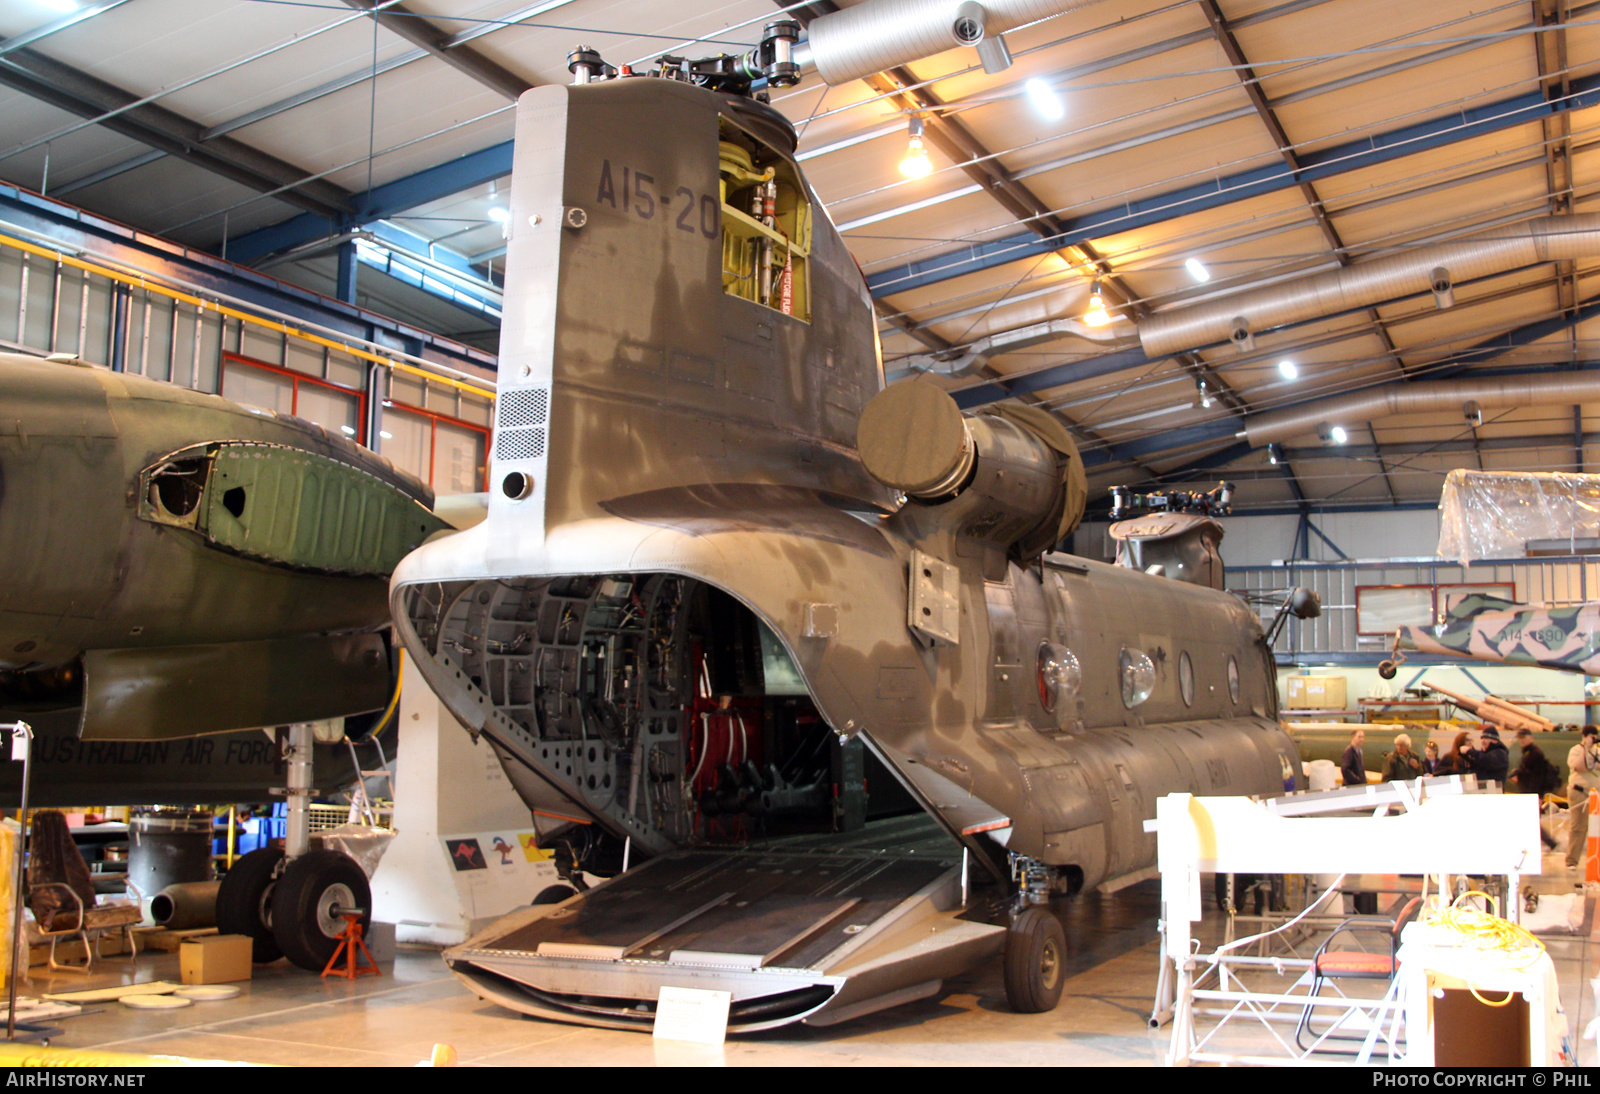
{"x": 306, "y": 905}
{"x": 1035, "y": 961}
{"x": 1388, "y": 669}
{"x": 244, "y": 902}
{"x": 554, "y": 894}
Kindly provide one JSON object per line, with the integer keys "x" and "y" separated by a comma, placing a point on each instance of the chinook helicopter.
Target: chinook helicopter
{"x": 796, "y": 640}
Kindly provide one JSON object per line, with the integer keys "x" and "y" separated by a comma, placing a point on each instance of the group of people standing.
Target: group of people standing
{"x": 1491, "y": 760}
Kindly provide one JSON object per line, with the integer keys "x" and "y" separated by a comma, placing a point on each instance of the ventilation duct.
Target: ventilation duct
{"x": 1544, "y": 389}
{"x": 847, "y": 45}
{"x": 1434, "y": 269}
{"x": 977, "y": 354}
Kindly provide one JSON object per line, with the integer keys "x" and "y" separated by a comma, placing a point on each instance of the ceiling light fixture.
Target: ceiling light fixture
{"x": 1332, "y": 434}
{"x": 1045, "y": 100}
{"x": 1096, "y": 316}
{"x": 1197, "y": 269}
{"x": 1205, "y": 395}
{"x": 499, "y": 214}
{"x": 916, "y": 162}
{"x": 1289, "y": 369}
{"x": 1274, "y": 455}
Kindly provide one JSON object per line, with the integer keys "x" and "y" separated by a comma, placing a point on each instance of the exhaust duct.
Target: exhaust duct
{"x": 1436, "y": 269}
{"x": 847, "y": 45}
{"x": 1423, "y": 397}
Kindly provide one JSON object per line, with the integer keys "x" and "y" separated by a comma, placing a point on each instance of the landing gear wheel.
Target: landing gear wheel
{"x": 306, "y": 904}
{"x": 244, "y": 902}
{"x": 554, "y": 894}
{"x": 1035, "y": 960}
{"x": 1388, "y": 669}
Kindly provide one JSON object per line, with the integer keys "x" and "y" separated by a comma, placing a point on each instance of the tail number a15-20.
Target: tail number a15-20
{"x": 636, "y": 194}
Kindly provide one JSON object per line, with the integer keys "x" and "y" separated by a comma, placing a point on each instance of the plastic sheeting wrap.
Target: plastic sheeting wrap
{"x": 1487, "y": 514}
{"x": 364, "y": 843}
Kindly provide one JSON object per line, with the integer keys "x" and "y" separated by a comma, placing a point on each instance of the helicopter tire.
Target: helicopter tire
{"x": 306, "y": 903}
{"x": 554, "y": 894}
{"x": 1388, "y": 669}
{"x": 244, "y": 902}
{"x": 1035, "y": 961}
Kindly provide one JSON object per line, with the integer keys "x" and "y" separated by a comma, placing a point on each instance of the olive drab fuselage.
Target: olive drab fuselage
{"x": 687, "y": 349}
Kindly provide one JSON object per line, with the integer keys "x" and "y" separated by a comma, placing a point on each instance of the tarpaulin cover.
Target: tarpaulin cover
{"x": 1492, "y": 514}
{"x": 364, "y": 843}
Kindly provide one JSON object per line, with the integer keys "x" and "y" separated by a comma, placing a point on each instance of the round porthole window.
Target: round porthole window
{"x": 1233, "y": 679}
{"x": 1186, "y": 678}
{"x": 1059, "y": 674}
{"x": 1138, "y": 677}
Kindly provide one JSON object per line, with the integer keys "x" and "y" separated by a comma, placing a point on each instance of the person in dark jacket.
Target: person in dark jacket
{"x": 1352, "y": 767}
{"x": 1535, "y": 774}
{"x": 1491, "y": 760}
{"x": 1455, "y": 761}
{"x": 1430, "y": 758}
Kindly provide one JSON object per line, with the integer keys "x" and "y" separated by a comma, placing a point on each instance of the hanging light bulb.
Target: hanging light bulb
{"x": 1205, "y": 395}
{"x": 1096, "y": 316}
{"x": 916, "y": 162}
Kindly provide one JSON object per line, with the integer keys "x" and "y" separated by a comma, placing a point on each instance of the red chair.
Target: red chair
{"x": 1353, "y": 964}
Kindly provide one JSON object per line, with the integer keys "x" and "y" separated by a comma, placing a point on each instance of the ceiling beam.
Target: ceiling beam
{"x": 379, "y": 203}
{"x": 401, "y": 20}
{"x": 1367, "y": 151}
{"x": 60, "y": 85}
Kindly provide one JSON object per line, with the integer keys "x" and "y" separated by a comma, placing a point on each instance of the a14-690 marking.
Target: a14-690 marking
{"x": 636, "y": 194}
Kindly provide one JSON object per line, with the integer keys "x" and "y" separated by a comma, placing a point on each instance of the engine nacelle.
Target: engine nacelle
{"x": 1011, "y": 478}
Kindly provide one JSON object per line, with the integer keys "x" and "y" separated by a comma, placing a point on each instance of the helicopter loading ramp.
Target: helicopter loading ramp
{"x": 794, "y": 933}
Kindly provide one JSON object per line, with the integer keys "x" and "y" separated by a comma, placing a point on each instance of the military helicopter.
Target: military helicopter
{"x": 796, "y": 639}
{"x": 176, "y": 565}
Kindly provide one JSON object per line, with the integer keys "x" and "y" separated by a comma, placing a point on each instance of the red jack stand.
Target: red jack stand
{"x": 349, "y": 943}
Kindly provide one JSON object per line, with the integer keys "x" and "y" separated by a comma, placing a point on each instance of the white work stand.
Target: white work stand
{"x": 1457, "y": 834}
{"x": 1433, "y": 960}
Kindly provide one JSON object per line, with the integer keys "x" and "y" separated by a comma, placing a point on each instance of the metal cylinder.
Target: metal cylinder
{"x": 186, "y": 907}
{"x": 1424, "y": 397}
{"x": 1545, "y": 239}
{"x": 879, "y": 34}
{"x": 168, "y": 847}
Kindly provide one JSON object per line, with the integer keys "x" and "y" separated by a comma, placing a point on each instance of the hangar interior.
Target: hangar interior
{"x": 1328, "y": 252}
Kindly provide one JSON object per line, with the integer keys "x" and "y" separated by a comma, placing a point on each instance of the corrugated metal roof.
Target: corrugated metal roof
{"x": 1409, "y": 122}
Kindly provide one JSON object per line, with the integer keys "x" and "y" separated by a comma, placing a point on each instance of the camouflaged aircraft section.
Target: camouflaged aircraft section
{"x": 1486, "y": 628}
{"x": 285, "y": 506}
{"x": 697, "y": 620}
{"x": 173, "y": 563}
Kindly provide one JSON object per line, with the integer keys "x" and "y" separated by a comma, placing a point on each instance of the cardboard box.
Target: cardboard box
{"x": 215, "y": 959}
{"x": 1316, "y": 692}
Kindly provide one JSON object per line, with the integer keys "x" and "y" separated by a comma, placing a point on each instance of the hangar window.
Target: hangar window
{"x": 766, "y": 225}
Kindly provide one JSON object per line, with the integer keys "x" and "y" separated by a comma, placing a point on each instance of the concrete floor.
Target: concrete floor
{"x": 288, "y": 1017}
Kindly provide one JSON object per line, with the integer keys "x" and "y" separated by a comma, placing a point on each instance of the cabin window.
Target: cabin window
{"x": 1233, "y": 679}
{"x": 766, "y": 226}
{"x": 1138, "y": 677}
{"x": 1059, "y": 675}
{"x": 1186, "y": 679}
